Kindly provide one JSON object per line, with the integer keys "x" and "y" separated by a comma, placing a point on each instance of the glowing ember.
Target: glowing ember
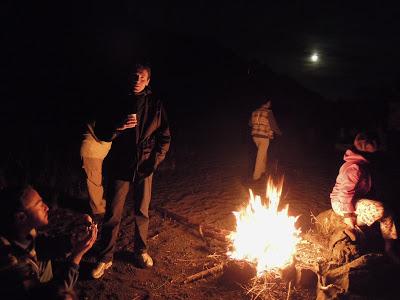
{"x": 264, "y": 235}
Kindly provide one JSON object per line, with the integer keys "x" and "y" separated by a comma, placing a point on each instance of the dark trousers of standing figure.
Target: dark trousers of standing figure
{"x": 112, "y": 219}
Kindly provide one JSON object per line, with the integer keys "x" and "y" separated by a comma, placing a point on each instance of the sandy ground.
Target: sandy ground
{"x": 204, "y": 186}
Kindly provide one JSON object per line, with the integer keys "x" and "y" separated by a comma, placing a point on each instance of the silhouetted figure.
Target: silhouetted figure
{"x": 353, "y": 197}
{"x": 93, "y": 152}
{"x": 263, "y": 130}
{"x": 25, "y": 256}
{"x": 107, "y": 123}
{"x": 138, "y": 147}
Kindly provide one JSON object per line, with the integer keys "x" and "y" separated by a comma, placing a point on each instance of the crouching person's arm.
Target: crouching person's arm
{"x": 81, "y": 246}
{"x": 68, "y": 276}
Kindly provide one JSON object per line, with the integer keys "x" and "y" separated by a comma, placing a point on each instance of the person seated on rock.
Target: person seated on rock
{"x": 25, "y": 267}
{"x": 353, "y": 196}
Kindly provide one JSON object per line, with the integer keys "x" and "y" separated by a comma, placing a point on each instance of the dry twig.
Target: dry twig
{"x": 289, "y": 290}
{"x": 206, "y": 273}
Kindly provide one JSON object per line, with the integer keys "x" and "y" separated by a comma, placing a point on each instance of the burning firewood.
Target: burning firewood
{"x": 238, "y": 272}
{"x": 261, "y": 253}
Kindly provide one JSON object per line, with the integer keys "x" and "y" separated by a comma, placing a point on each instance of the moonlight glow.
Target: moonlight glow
{"x": 314, "y": 57}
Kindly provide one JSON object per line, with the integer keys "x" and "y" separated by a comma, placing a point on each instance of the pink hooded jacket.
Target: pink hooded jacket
{"x": 352, "y": 183}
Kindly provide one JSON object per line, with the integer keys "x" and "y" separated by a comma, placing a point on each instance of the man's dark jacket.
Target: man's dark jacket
{"x": 135, "y": 152}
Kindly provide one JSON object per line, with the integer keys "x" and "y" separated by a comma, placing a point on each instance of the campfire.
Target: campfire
{"x": 266, "y": 253}
{"x": 264, "y": 235}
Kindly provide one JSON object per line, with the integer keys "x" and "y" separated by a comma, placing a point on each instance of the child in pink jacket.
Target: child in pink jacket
{"x": 352, "y": 196}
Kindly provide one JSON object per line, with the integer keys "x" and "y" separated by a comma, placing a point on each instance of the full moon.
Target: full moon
{"x": 314, "y": 57}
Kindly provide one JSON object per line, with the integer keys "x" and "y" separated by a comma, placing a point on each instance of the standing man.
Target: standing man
{"x": 139, "y": 145}
{"x": 263, "y": 128}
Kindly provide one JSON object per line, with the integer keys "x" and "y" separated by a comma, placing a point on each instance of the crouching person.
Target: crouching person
{"x": 353, "y": 196}
{"x": 25, "y": 267}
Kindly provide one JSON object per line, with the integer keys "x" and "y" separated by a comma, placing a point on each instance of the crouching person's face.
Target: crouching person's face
{"x": 35, "y": 213}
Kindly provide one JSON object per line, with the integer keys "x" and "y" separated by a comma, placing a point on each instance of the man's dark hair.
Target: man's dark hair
{"x": 143, "y": 66}
{"x": 138, "y": 65}
{"x": 11, "y": 199}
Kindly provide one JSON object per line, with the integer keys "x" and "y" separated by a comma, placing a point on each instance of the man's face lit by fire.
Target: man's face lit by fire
{"x": 35, "y": 209}
{"x": 141, "y": 81}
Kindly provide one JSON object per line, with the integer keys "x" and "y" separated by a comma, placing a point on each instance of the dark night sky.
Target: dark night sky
{"x": 54, "y": 54}
{"x": 358, "y": 41}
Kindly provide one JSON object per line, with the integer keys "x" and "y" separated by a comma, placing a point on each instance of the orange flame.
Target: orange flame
{"x": 264, "y": 235}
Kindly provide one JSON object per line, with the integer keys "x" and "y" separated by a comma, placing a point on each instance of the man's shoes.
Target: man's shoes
{"x": 98, "y": 271}
{"x": 143, "y": 260}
